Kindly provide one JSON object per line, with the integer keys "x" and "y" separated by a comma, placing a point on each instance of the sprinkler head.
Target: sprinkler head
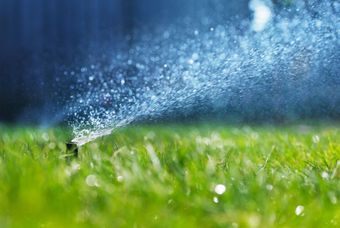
{"x": 72, "y": 149}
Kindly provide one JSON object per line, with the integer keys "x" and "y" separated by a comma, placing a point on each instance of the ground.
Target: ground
{"x": 203, "y": 175}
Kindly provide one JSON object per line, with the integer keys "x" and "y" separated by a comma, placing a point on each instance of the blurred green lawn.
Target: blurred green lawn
{"x": 170, "y": 176}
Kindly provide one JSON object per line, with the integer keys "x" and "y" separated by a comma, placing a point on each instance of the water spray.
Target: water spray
{"x": 274, "y": 62}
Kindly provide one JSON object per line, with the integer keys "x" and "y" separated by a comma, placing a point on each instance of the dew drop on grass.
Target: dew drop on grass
{"x": 316, "y": 139}
{"x": 220, "y": 189}
{"x": 332, "y": 197}
{"x": 92, "y": 181}
{"x": 45, "y": 136}
{"x": 75, "y": 167}
{"x": 325, "y": 175}
{"x": 269, "y": 187}
{"x": 120, "y": 178}
{"x": 299, "y": 210}
{"x": 52, "y": 146}
{"x": 254, "y": 220}
{"x": 234, "y": 225}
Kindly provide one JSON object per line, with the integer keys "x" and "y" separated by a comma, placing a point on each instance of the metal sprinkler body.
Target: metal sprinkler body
{"x": 72, "y": 149}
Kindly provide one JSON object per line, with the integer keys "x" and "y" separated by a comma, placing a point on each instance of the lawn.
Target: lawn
{"x": 204, "y": 175}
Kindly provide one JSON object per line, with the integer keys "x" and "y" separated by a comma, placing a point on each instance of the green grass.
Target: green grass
{"x": 165, "y": 176}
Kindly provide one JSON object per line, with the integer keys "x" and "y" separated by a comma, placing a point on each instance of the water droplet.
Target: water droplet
{"x": 120, "y": 178}
{"x": 299, "y": 210}
{"x": 75, "y": 167}
{"x": 262, "y": 15}
{"x": 91, "y": 180}
{"x": 45, "y": 136}
{"x": 52, "y": 146}
{"x": 191, "y": 61}
{"x": 254, "y": 220}
{"x": 325, "y": 175}
{"x": 269, "y": 187}
{"x": 316, "y": 139}
{"x": 194, "y": 56}
{"x": 220, "y": 189}
{"x": 234, "y": 225}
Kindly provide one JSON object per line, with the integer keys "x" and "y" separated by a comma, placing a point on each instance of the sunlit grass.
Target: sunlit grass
{"x": 173, "y": 176}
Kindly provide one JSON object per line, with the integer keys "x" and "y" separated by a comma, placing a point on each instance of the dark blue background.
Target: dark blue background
{"x": 38, "y": 37}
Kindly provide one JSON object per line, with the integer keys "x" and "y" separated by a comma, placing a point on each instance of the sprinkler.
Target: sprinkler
{"x": 71, "y": 150}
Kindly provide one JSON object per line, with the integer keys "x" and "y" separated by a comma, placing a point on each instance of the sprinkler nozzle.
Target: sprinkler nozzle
{"x": 72, "y": 149}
